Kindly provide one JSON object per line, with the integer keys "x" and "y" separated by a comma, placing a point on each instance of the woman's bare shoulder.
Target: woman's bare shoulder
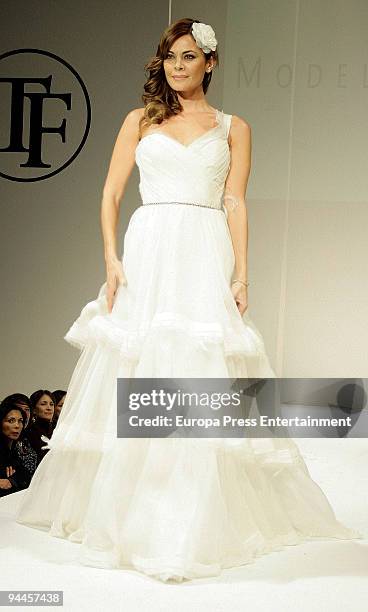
{"x": 133, "y": 116}
{"x": 137, "y": 112}
{"x": 239, "y": 123}
{"x": 130, "y": 125}
{"x": 240, "y": 129}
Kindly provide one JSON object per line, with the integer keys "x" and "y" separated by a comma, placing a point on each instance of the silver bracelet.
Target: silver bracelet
{"x": 236, "y": 280}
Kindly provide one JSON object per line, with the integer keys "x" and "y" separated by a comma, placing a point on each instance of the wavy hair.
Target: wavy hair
{"x": 160, "y": 101}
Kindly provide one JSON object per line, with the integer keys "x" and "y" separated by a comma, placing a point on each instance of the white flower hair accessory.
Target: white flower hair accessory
{"x": 204, "y": 36}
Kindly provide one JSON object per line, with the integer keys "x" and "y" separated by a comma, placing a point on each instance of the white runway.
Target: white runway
{"x": 331, "y": 576}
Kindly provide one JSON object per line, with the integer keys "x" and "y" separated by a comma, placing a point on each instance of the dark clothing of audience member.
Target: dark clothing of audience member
{"x": 21, "y": 478}
{"x": 26, "y": 453}
{"x": 39, "y": 427}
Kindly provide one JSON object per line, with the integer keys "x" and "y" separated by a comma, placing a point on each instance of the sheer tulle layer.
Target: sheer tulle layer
{"x": 89, "y": 417}
{"x": 171, "y": 508}
{"x": 179, "y": 508}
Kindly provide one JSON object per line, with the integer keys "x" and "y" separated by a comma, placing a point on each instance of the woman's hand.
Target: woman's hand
{"x": 240, "y": 293}
{"x": 5, "y": 483}
{"x": 115, "y": 276}
{"x": 10, "y": 471}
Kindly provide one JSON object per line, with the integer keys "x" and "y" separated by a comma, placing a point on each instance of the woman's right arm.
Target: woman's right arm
{"x": 120, "y": 169}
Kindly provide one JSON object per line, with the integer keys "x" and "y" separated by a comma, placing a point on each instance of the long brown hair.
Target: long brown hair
{"x": 159, "y": 99}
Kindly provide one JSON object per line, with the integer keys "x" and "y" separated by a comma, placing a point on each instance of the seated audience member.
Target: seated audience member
{"x": 27, "y": 454}
{"x": 59, "y": 397}
{"x": 13, "y": 477}
{"x": 43, "y": 405}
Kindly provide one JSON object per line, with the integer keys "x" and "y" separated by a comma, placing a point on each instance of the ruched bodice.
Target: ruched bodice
{"x": 193, "y": 173}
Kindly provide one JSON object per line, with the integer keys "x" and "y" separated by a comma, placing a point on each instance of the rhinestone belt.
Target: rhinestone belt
{"x": 190, "y": 204}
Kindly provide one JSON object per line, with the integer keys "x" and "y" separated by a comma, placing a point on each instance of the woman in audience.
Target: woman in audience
{"x": 43, "y": 406}
{"x": 21, "y": 400}
{"x": 13, "y": 477}
{"x": 59, "y": 397}
{"x": 26, "y": 453}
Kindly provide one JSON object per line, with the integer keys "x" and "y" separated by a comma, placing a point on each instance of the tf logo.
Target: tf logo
{"x": 45, "y": 114}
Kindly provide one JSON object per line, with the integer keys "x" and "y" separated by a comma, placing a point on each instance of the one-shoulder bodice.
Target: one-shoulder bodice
{"x": 193, "y": 173}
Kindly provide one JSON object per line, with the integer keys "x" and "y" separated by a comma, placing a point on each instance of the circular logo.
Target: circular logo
{"x": 45, "y": 112}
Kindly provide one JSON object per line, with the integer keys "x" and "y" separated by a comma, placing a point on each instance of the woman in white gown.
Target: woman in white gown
{"x": 174, "y": 306}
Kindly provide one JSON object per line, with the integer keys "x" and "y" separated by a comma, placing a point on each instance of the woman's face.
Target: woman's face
{"x": 12, "y": 424}
{"x": 45, "y": 407}
{"x": 59, "y": 406}
{"x": 188, "y": 61}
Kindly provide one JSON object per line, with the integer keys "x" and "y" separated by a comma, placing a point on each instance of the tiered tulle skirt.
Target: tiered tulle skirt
{"x": 172, "y": 508}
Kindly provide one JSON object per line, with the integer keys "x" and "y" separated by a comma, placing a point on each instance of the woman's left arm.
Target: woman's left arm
{"x": 234, "y": 201}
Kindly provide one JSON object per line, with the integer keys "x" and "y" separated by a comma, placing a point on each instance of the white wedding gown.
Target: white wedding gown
{"x": 173, "y": 508}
